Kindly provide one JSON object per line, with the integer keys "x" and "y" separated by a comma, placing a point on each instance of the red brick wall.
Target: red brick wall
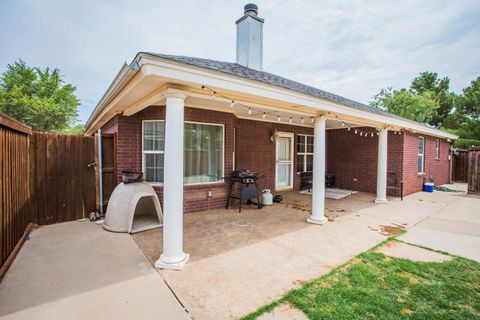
{"x": 438, "y": 169}
{"x": 353, "y": 159}
{"x": 255, "y": 151}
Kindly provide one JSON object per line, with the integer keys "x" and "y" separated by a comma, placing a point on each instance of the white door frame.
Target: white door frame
{"x": 292, "y": 154}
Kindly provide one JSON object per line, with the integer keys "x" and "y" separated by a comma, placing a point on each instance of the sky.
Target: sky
{"x": 351, "y": 48}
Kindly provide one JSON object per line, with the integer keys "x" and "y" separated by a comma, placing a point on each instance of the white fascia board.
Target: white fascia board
{"x": 118, "y": 83}
{"x": 165, "y": 68}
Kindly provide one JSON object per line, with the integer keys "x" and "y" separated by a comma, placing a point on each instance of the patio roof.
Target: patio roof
{"x": 153, "y": 64}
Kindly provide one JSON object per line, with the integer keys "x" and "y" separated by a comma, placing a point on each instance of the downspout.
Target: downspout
{"x": 100, "y": 171}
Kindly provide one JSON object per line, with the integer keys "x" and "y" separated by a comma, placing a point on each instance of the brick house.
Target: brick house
{"x": 189, "y": 122}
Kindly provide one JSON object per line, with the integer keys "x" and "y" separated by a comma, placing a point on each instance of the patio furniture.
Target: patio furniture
{"x": 306, "y": 180}
{"x": 394, "y": 184}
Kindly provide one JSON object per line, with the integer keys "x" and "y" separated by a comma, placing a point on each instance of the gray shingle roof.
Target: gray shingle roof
{"x": 265, "y": 77}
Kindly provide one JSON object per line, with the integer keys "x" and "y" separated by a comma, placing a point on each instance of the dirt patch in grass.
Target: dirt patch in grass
{"x": 373, "y": 286}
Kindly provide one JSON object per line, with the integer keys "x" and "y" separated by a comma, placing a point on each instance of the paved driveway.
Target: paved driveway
{"x": 76, "y": 270}
{"x": 454, "y": 229}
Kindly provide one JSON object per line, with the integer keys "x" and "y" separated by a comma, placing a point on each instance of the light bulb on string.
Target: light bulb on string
{"x": 264, "y": 115}
{"x": 232, "y": 104}
{"x": 356, "y": 131}
{"x": 312, "y": 119}
{"x": 249, "y": 111}
{"x": 348, "y": 129}
{"x": 279, "y": 119}
{"x": 372, "y": 134}
{"x": 301, "y": 120}
{"x": 361, "y": 134}
{"x": 343, "y": 124}
{"x": 290, "y": 120}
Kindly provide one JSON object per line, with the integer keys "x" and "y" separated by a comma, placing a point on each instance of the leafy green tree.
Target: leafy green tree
{"x": 430, "y": 82}
{"x": 418, "y": 107}
{"x": 469, "y": 103}
{"x": 38, "y": 98}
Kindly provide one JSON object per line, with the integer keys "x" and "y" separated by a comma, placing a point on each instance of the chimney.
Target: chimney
{"x": 250, "y": 38}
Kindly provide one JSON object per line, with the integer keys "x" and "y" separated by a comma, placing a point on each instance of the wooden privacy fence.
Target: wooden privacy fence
{"x": 47, "y": 178}
{"x": 460, "y": 165}
{"x": 474, "y": 170}
{"x": 15, "y": 204}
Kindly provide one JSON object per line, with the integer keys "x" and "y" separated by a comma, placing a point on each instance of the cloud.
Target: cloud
{"x": 352, "y": 48}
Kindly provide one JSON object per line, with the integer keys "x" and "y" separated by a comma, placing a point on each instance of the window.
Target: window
{"x": 153, "y": 150}
{"x": 421, "y": 154}
{"x": 203, "y": 153}
{"x": 304, "y": 153}
{"x": 437, "y": 149}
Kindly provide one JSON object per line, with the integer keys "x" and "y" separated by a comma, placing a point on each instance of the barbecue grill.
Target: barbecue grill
{"x": 244, "y": 187}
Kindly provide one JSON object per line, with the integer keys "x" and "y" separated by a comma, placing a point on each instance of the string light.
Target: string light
{"x": 264, "y": 115}
{"x": 290, "y": 120}
{"x": 372, "y": 134}
{"x": 356, "y": 131}
{"x": 361, "y": 134}
{"x": 249, "y": 111}
{"x": 343, "y": 124}
{"x": 348, "y": 129}
{"x": 301, "y": 120}
{"x": 232, "y": 104}
{"x": 312, "y": 119}
{"x": 279, "y": 119}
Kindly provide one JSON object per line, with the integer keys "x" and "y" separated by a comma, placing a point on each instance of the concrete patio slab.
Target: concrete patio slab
{"x": 406, "y": 251}
{"x": 76, "y": 270}
{"x": 240, "y": 262}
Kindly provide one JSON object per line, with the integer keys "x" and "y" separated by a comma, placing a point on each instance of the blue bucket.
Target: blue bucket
{"x": 428, "y": 187}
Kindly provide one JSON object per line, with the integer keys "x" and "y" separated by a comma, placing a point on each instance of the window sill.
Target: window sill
{"x": 421, "y": 174}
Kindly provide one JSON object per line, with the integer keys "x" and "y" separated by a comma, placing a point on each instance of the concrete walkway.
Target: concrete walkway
{"x": 76, "y": 270}
{"x": 454, "y": 229}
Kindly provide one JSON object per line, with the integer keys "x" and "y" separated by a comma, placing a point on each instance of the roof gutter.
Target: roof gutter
{"x": 121, "y": 79}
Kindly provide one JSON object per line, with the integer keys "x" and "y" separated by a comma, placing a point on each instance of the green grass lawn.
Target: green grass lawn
{"x": 374, "y": 286}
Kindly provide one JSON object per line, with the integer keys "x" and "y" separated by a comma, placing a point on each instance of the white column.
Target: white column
{"x": 318, "y": 187}
{"x": 173, "y": 256}
{"x": 382, "y": 167}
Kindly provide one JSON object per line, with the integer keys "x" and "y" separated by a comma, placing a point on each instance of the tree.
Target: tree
{"x": 469, "y": 103}
{"x": 418, "y": 107}
{"x": 38, "y": 98}
{"x": 430, "y": 82}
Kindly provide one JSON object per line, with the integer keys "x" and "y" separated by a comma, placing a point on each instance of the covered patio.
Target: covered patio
{"x": 240, "y": 261}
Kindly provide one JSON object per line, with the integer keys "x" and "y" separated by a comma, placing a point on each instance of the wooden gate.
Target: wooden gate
{"x": 63, "y": 182}
{"x": 108, "y": 168}
{"x": 474, "y": 170}
{"x": 460, "y": 165}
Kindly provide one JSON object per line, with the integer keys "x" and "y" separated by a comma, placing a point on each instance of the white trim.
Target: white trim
{"x": 290, "y": 135}
{"x": 437, "y": 149}
{"x": 421, "y": 154}
{"x": 304, "y": 154}
{"x": 182, "y": 73}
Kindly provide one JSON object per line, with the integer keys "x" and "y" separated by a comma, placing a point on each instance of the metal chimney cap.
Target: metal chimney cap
{"x": 251, "y": 7}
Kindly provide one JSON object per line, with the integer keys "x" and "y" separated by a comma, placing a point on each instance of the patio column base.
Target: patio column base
{"x": 321, "y": 221}
{"x": 381, "y": 201}
{"x": 160, "y": 264}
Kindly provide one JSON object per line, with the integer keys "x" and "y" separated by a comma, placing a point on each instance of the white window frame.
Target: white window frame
{"x": 150, "y": 152}
{"x": 437, "y": 149}
{"x": 221, "y": 180}
{"x": 422, "y": 155}
{"x": 304, "y": 154}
